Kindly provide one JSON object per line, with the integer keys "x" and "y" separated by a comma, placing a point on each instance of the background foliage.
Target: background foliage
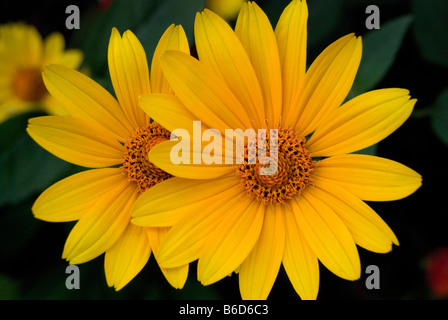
{"x": 410, "y": 50}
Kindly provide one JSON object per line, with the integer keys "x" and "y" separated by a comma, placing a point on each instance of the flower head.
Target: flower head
{"x": 113, "y": 137}
{"x": 311, "y": 208}
{"x": 24, "y": 54}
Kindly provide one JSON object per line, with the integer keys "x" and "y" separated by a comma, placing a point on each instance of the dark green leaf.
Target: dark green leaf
{"x": 439, "y": 116}
{"x": 94, "y": 38}
{"x": 431, "y": 24}
{"x": 168, "y": 12}
{"x": 17, "y": 228}
{"x": 9, "y": 288}
{"x": 372, "y": 150}
{"x": 380, "y": 48}
{"x": 324, "y": 20}
{"x": 25, "y": 167}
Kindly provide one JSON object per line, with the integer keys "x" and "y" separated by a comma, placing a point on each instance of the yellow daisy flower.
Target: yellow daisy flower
{"x": 23, "y": 55}
{"x": 112, "y": 137}
{"x": 231, "y": 217}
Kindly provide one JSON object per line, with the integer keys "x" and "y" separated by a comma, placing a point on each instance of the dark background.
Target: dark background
{"x": 30, "y": 250}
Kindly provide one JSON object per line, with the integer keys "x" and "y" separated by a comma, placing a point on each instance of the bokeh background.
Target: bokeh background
{"x": 410, "y": 50}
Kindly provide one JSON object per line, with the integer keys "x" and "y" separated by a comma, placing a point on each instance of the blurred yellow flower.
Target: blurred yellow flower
{"x": 113, "y": 136}
{"x": 227, "y": 9}
{"x": 230, "y": 217}
{"x": 23, "y": 55}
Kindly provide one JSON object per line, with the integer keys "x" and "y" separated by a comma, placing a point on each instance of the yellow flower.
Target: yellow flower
{"x": 232, "y": 218}
{"x": 112, "y": 137}
{"x": 23, "y": 55}
{"x": 227, "y": 9}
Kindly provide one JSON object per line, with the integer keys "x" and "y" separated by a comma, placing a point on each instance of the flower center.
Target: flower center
{"x": 136, "y": 163}
{"x": 294, "y": 166}
{"x": 28, "y": 84}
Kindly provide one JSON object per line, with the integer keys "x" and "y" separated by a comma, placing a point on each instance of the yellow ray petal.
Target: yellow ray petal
{"x": 72, "y": 140}
{"x": 175, "y": 276}
{"x": 257, "y": 36}
{"x": 205, "y": 94}
{"x": 168, "y": 111}
{"x": 291, "y": 35}
{"x": 54, "y": 45}
{"x": 258, "y": 272}
{"x": 361, "y": 122}
{"x": 328, "y": 81}
{"x": 54, "y": 52}
{"x": 52, "y": 107}
{"x": 70, "y": 198}
{"x": 367, "y": 228}
{"x": 127, "y": 257}
{"x": 174, "y": 38}
{"x": 20, "y": 107}
{"x": 368, "y": 177}
{"x": 299, "y": 260}
{"x": 167, "y": 202}
{"x": 161, "y": 156}
{"x": 231, "y": 241}
{"x": 86, "y": 100}
{"x": 129, "y": 74}
{"x": 219, "y": 47}
{"x": 185, "y": 240}
{"x": 101, "y": 226}
{"x": 29, "y": 45}
{"x": 327, "y": 236}
{"x": 71, "y": 58}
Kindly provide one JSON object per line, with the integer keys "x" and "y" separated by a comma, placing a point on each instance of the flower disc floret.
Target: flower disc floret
{"x": 28, "y": 85}
{"x": 293, "y": 163}
{"x": 136, "y": 164}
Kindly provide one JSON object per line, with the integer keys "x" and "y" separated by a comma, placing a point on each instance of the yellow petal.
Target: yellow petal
{"x": 86, "y": 100}
{"x": 70, "y": 198}
{"x": 185, "y": 240}
{"x": 361, "y": 122}
{"x": 299, "y": 260}
{"x": 175, "y": 276}
{"x": 327, "y": 236}
{"x": 367, "y": 228}
{"x": 72, "y": 140}
{"x": 291, "y": 35}
{"x": 368, "y": 177}
{"x": 129, "y": 74}
{"x": 231, "y": 241}
{"x": 168, "y": 111}
{"x": 174, "y": 38}
{"x": 258, "y": 272}
{"x": 219, "y": 47}
{"x": 167, "y": 202}
{"x": 27, "y": 45}
{"x": 127, "y": 257}
{"x": 257, "y": 36}
{"x": 101, "y": 226}
{"x": 54, "y": 52}
{"x": 161, "y": 156}
{"x": 51, "y": 107}
{"x": 20, "y": 107}
{"x": 227, "y": 9}
{"x": 54, "y": 45}
{"x": 71, "y": 58}
{"x": 328, "y": 81}
{"x": 205, "y": 94}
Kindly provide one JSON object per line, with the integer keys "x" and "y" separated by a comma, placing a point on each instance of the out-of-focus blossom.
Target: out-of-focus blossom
{"x": 23, "y": 55}
{"x": 437, "y": 272}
